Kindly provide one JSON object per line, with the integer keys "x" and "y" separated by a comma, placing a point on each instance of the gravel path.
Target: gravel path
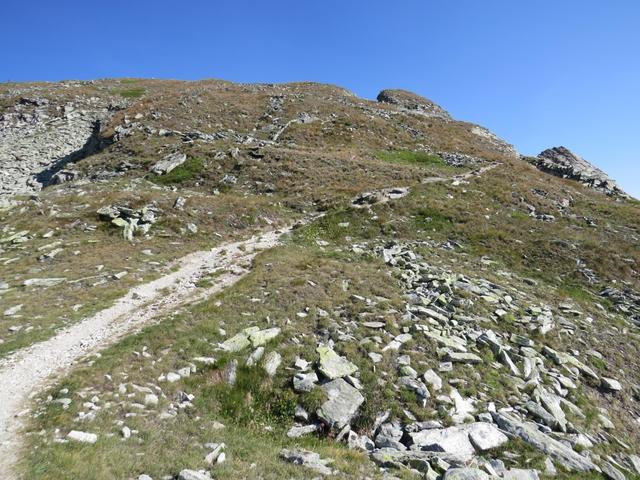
{"x": 27, "y": 372}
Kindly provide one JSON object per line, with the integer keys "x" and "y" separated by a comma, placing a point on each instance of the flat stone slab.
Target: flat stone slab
{"x": 342, "y": 404}
{"x": 334, "y": 366}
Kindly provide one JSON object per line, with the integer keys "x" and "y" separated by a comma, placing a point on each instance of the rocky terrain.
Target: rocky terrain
{"x": 215, "y": 280}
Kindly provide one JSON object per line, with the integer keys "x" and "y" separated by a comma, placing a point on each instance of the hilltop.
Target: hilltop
{"x": 210, "y": 279}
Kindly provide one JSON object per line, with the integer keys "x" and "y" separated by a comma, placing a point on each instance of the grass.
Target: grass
{"x": 136, "y": 92}
{"x": 186, "y": 172}
{"x": 411, "y": 157}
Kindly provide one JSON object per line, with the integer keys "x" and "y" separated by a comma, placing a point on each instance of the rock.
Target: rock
{"x": 530, "y": 434}
{"x": 520, "y": 474}
{"x": 465, "y": 474}
{"x": 82, "y": 437}
{"x": 562, "y": 162}
{"x": 432, "y": 378}
{"x": 388, "y": 457}
{"x": 307, "y": 459}
{"x": 304, "y": 382}
{"x": 271, "y": 363}
{"x": 634, "y": 460}
{"x": 151, "y": 400}
{"x": 610, "y": 384}
{"x": 168, "y": 163}
{"x": 9, "y": 312}
{"x": 342, "y": 404}
{"x": 389, "y": 436}
{"x": 298, "y": 431}
{"x": 551, "y": 403}
{"x": 412, "y": 102}
{"x": 216, "y": 455}
{"x": 463, "y": 440}
{"x": 240, "y": 341}
{"x": 255, "y": 357}
{"x": 42, "y": 282}
{"x": 361, "y": 442}
{"x": 460, "y": 357}
{"x": 261, "y": 337}
{"x": 611, "y": 472}
{"x": 332, "y": 365}
{"x": 194, "y": 475}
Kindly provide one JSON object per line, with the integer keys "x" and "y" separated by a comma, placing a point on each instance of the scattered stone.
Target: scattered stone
{"x": 82, "y": 437}
{"x": 307, "y": 459}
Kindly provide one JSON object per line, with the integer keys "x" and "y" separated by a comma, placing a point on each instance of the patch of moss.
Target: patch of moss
{"x": 189, "y": 170}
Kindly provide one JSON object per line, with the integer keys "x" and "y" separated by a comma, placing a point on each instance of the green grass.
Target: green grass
{"x": 410, "y": 157}
{"x": 132, "y": 92}
{"x": 189, "y": 170}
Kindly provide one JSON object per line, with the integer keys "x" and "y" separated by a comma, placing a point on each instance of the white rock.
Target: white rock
{"x": 82, "y": 437}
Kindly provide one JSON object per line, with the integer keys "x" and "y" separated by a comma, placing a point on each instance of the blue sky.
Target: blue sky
{"x": 539, "y": 73}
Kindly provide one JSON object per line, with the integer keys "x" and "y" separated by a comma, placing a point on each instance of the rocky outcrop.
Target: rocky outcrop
{"x": 562, "y": 162}
{"x": 412, "y": 102}
{"x": 37, "y": 140}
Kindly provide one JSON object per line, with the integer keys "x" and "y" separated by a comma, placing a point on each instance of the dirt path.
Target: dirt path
{"x": 26, "y": 372}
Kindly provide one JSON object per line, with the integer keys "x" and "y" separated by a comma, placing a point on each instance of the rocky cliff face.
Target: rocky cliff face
{"x": 38, "y": 138}
{"x": 562, "y": 162}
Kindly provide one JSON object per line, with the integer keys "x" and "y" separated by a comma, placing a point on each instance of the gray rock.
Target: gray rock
{"x": 520, "y": 474}
{"x": 168, "y": 163}
{"x": 611, "y": 384}
{"x": 300, "y": 430}
{"x": 361, "y": 442}
{"x": 561, "y": 162}
{"x": 271, "y": 363}
{"x": 82, "y": 437}
{"x": 432, "y": 378}
{"x": 332, "y": 365}
{"x": 342, "y": 404}
{"x": 530, "y": 434}
{"x": 389, "y": 436}
{"x": 611, "y": 472}
{"x": 194, "y": 475}
{"x": 463, "y": 440}
{"x": 465, "y": 474}
{"x": 411, "y": 102}
{"x": 461, "y": 357}
{"x": 307, "y": 459}
{"x": 304, "y": 382}
{"x": 388, "y": 457}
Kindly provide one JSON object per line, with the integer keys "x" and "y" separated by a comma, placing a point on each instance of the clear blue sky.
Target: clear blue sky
{"x": 539, "y": 73}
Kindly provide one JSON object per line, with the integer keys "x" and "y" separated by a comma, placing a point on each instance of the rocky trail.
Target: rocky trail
{"x": 26, "y": 372}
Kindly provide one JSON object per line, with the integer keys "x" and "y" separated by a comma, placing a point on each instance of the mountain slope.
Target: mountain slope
{"x": 453, "y": 304}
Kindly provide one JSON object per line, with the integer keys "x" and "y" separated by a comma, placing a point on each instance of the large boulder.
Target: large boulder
{"x": 463, "y": 440}
{"x": 342, "y": 404}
